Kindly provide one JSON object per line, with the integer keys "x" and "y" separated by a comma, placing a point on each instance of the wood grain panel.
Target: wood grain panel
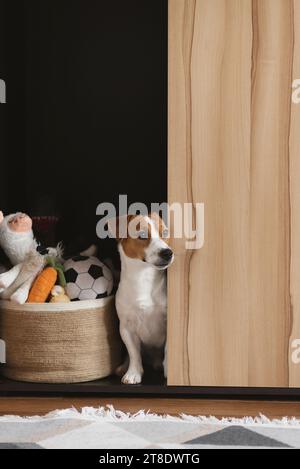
{"x": 269, "y": 192}
{"x": 231, "y": 133}
{"x": 181, "y": 30}
{"x": 294, "y": 376}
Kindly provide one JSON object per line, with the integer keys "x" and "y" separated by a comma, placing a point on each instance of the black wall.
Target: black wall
{"x": 86, "y": 110}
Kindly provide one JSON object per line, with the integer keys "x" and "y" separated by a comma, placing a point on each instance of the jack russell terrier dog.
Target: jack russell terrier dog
{"x": 141, "y": 299}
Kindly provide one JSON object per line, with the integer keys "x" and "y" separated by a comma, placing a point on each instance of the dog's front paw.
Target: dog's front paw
{"x": 132, "y": 377}
{"x": 122, "y": 369}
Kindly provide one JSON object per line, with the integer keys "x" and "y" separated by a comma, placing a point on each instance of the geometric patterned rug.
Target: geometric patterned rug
{"x": 107, "y": 428}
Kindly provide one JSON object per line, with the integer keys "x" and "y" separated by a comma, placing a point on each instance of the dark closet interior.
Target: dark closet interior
{"x": 85, "y": 118}
{"x": 86, "y": 113}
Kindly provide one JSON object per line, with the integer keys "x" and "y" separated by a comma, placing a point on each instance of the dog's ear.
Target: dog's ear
{"x": 1, "y": 217}
{"x": 118, "y": 226}
{"x": 160, "y": 225}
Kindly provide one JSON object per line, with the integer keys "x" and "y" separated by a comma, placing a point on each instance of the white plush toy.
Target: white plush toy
{"x": 19, "y": 244}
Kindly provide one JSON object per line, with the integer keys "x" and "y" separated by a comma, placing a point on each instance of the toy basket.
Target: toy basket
{"x": 60, "y": 343}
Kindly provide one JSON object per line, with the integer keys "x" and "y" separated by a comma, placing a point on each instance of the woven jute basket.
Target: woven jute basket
{"x": 60, "y": 343}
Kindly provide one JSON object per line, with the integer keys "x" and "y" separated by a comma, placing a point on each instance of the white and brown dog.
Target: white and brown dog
{"x": 141, "y": 299}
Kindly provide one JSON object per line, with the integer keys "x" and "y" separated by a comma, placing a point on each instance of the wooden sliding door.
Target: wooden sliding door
{"x": 234, "y": 145}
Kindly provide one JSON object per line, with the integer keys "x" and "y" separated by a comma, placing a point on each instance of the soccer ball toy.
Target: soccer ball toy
{"x": 87, "y": 278}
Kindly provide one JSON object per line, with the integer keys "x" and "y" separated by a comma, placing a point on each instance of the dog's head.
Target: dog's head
{"x": 144, "y": 238}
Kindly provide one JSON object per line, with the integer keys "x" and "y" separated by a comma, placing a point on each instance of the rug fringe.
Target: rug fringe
{"x": 110, "y": 414}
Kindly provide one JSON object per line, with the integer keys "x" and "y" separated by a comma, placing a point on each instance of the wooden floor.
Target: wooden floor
{"x": 219, "y": 408}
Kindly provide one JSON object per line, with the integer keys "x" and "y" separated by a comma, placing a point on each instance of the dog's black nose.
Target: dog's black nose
{"x": 166, "y": 254}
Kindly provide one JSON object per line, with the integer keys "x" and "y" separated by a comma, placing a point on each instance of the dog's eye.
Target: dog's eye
{"x": 142, "y": 235}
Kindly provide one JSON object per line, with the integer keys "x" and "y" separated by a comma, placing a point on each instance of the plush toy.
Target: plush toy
{"x": 42, "y": 286}
{"x": 87, "y": 278}
{"x": 58, "y": 295}
{"x": 17, "y": 239}
{"x": 16, "y": 283}
{"x": 28, "y": 259}
{"x": 45, "y": 281}
{"x": 16, "y": 236}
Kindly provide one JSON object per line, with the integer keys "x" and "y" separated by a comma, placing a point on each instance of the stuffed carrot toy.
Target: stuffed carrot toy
{"x": 42, "y": 286}
{"x": 44, "y": 283}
